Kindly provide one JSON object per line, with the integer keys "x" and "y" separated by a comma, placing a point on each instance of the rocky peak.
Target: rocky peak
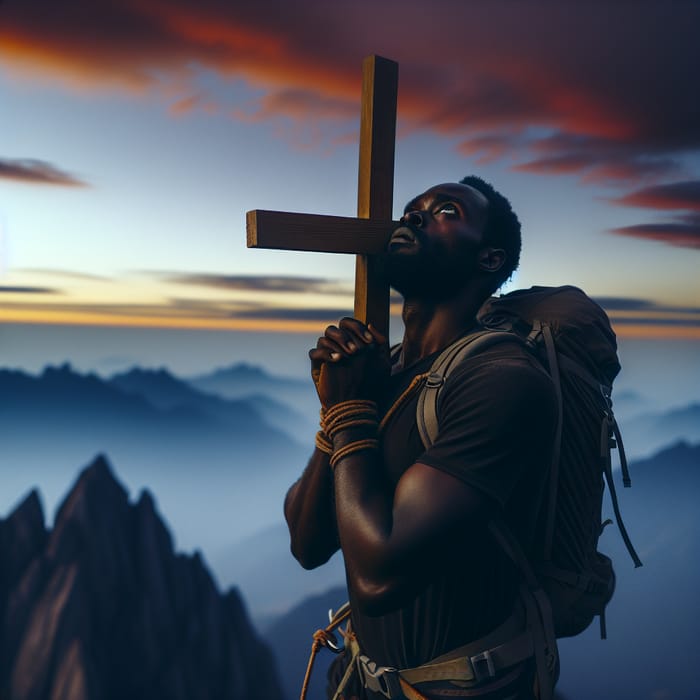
{"x": 102, "y": 607}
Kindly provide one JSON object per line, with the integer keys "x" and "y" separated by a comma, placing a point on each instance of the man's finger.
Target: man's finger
{"x": 357, "y": 329}
{"x": 320, "y": 355}
{"x": 346, "y": 340}
{"x": 377, "y": 336}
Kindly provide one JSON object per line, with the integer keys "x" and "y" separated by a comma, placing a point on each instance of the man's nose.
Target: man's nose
{"x": 413, "y": 217}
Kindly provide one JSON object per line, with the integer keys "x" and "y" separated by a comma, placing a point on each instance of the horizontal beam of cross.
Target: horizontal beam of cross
{"x": 316, "y": 232}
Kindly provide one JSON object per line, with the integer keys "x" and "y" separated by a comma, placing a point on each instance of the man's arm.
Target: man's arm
{"x": 310, "y": 513}
{"x": 309, "y": 507}
{"x": 389, "y": 540}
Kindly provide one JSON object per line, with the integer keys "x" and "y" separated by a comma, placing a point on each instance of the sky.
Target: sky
{"x": 134, "y": 136}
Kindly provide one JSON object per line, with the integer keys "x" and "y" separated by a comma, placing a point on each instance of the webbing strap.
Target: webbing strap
{"x": 626, "y": 481}
{"x": 605, "y": 436}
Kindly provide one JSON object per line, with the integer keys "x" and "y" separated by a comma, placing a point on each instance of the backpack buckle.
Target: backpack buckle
{"x": 478, "y": 661}
{"x": 379, "y": 679}
{"x": 434, "y": 380}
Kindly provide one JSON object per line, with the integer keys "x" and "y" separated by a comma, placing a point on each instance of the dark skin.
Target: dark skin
{"x": 383, "y": 533}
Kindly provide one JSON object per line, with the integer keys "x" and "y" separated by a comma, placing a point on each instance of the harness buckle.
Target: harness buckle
{"x": 478, "y": 661}
{"x": 379, "y": 679}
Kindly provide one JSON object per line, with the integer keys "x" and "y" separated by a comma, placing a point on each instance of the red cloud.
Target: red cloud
{"x": 621, "y": 106}
{"x": 677, "y": 234}
{"x": 675, "y": 195}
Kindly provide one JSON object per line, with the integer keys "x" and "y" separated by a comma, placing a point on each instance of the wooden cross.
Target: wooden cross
{"x": 368, "y": 234}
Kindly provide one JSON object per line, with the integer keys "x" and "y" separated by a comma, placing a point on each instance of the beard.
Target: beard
{"x": 429, "y": 272}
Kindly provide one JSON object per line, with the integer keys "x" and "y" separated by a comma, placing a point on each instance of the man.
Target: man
{"x": 424, "y": 576}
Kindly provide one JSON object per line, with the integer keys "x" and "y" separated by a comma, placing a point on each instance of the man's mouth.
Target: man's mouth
{"x": 402, "y": 236}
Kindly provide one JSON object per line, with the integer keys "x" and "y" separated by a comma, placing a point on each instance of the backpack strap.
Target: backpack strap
{"x": 538, "y": 610}
{"x": 553, "y": 363}
{"x": 449, "y": 358}
{"x": 610, "y": 437}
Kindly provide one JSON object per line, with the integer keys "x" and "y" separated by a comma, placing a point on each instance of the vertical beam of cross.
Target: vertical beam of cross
{"x": 367, "y": 235}
{"x": 375, "y": 189}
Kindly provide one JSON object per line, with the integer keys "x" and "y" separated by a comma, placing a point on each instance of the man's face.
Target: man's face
{"x": 433, "y": 253}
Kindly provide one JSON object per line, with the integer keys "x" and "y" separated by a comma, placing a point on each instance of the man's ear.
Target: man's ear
{"x": 491, "y": 259}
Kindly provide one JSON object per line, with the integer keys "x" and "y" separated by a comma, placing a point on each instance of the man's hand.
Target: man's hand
{"x": 350, "y": 361}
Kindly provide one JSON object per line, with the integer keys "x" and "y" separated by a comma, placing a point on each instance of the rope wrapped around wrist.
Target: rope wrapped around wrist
{"x": 323, "y": 443}
{"x": 351, "y": 426}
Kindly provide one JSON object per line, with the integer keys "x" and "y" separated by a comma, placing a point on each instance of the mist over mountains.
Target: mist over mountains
{"x": 220, "y": 466}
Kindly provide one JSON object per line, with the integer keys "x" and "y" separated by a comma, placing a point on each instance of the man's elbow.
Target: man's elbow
{"x": 375, "y": 598}
{"x": 309, "y": 558}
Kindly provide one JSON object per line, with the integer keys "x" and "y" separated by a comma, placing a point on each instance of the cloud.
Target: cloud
{"x": 683, "y": 195}
{"x": 685, "y": 235}
{"x": 621, "y": 104}
{"x": 37, "y": 172}
{"x": 296, "y": 314}
{"x": 630, "y": 310}
{"x": 63, "y": 274}
{"x": 260, "y": 283}
{"x": 624, "y": 303}
{"x": 27, "y": 290}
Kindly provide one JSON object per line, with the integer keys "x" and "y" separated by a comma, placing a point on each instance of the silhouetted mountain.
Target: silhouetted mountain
{"x": 250, "y": 561}
{"x": 102, "y": 608}
{"x": 649, "y": 432}
{"x": 166, "y": 392}
{"x": 243, "y": 380}
{"x": 291, "y": 635}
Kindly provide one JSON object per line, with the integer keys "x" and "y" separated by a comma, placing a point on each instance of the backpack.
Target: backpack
{"x": 571, "y": 337}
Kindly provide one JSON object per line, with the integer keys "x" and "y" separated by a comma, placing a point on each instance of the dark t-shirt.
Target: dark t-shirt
{"x": 497, "y": 416}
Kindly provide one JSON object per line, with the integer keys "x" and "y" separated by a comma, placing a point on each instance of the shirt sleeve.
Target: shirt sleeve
{"x": 496, "y": 421}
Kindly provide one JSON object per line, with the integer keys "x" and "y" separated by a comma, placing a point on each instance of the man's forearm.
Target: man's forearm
{"x": 374, "y": 557}
{"x": 310, "y": 513}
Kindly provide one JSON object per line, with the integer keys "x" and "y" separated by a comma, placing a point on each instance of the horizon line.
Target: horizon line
{"x": 654, "y": 329}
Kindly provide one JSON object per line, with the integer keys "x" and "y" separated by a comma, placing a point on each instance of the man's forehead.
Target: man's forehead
{"x": 451, "y": 190}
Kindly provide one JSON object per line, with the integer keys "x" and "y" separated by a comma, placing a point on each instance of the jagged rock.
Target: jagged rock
{"x": 101, "y": 608}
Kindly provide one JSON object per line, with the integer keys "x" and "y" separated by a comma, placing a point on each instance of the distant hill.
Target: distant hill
{"x": 291, "y": 636}
{"x": 101, "y": 608}
{"x": 61, "y": 399}
{"x": 241, "y": 380}
{"x": 166, "y": 392}
{"x": 647, "y": 433}
{"x": 249, "y": 562}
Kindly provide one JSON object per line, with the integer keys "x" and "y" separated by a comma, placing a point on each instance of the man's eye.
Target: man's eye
{"x": 448, "y": 210}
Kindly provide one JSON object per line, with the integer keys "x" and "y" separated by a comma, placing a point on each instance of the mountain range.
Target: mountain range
{"x": 219, "y": 466}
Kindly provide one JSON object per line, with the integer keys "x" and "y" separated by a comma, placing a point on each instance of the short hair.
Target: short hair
{"x": 502, "y": 228}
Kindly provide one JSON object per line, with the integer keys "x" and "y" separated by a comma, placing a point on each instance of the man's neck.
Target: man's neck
{"x": 431, "y": 326}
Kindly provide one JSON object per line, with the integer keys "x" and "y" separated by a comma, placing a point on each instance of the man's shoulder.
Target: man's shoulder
{"x": 505, "y": 361}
